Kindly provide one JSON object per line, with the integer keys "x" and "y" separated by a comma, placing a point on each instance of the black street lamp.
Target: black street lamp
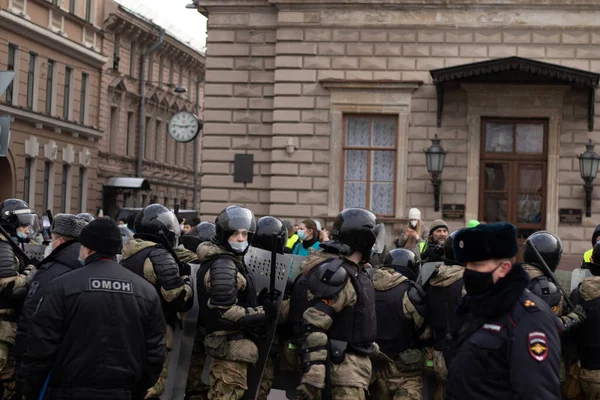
{"x": 588, "y": 166}
{"x": 435, "y": 156}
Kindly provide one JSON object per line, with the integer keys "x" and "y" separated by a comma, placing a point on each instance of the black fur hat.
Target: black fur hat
{"x": 486, "y": 242}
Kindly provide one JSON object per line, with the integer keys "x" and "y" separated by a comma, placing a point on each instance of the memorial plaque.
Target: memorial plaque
{"x": 569, "y": 215}
{"x": 453, "y": 211}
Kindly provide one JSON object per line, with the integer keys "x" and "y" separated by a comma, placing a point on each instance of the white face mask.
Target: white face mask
{"x": 414, "y": 222}
{"x": 238, "y": 247}
{"x": 48, "y": 250}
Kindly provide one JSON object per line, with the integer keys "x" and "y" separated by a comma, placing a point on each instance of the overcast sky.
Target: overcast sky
{"x": 188, "y": 25}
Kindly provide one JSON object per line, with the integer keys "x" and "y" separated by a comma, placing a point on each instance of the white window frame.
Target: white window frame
{"x": 65, "y": 190}
{"x": 49, "y": 186}
{"x": 52, "y": 88}
{"x": 85, "y": 98}
{"x": 71, "y": 92}
{"x": 113, "y": 127}
{"x": 15, "y": 9}
{"x": 15, "y": 82}
{"x": 83, "y": 188}
{"x": 92, "y": 11}
{"x": 36, "y": 82}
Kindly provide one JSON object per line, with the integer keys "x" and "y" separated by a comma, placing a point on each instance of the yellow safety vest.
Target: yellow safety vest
{"x": 587, "y": 256}
{"x": 291, "y": 241}
{"x": 422, "y": 246}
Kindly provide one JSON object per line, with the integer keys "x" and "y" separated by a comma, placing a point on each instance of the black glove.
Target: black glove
{"x": 271, "y": 308}
{"x": 263, "y": 296}
{"x": 308, "y": 392}
{"x": 185, "y": 269}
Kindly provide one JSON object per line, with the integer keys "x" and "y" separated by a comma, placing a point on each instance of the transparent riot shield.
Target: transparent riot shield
{"x": 34, "y": 251}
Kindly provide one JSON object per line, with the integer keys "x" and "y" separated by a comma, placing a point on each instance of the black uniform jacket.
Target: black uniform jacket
{"x": 508, "y": 348}
{"x": 63, "y": 259}
{"x": 99, "y": 332}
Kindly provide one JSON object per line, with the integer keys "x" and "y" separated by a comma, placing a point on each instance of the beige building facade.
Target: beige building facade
{"x": 337, "y": 100}
{"x": 54, "y": 101}
{"x": 167, "y": 166}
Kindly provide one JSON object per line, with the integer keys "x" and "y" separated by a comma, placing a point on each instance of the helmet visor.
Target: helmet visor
{"x": 379, "y": 238}
{"x": 169, "y": 220}
{"x": 30, "y": 221}
{"x": 239, "y": 218}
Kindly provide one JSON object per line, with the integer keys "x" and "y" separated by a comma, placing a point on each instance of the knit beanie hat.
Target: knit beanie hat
{"x": 67, "y": 225}
{"x": 102, "y": 235}
{"x": 414, "y": 213}
{"x": 437, "y": 224}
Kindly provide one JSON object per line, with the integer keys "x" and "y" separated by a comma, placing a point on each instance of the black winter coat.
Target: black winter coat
{"x": 99, "y": 332}
{"x": 63, "y": 259}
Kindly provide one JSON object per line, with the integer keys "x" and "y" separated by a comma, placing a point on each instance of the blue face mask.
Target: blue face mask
{"x": 22, "y": 235}
{"x": 82, "y": 262}
{"x": 238, "y": 247}
{"x": 301, "y": 234}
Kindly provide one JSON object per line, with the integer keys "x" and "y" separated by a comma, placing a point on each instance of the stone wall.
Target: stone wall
{"x": 314, "y": 44}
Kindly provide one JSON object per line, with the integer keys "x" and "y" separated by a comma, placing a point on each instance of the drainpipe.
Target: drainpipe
{"x": 155, "y": 46}
{"x": 197, "y": 141}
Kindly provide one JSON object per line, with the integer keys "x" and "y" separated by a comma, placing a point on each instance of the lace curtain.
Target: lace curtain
{"x": 369, "y": 174}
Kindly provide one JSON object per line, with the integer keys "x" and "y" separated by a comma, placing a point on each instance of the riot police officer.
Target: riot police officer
{"x": 508, "y": 346}
{"x": 20, "y": 222}
{"x": 203, "y": 232}
{"x": 340, "y": 326}
{"x": 271, "y": 235}
{"x": 587, "y": 335}
{"x": 148, "y": 256}
{"x": 229, "y": 311}
{"x": 401, "y": 307}
{"x": 444, "y": 290}
{"x": 550, "y": 248}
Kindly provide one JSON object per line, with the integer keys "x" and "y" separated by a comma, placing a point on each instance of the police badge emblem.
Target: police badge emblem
{"x": 538, "y": 346}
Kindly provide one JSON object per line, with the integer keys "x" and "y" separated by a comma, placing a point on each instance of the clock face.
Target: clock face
{"x": 184, "y": 126}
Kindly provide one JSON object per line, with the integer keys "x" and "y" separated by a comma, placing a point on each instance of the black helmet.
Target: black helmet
{"x": 266, "y": 227}
{"x": 201, "y": 233}
{"x": 449, "y": 258}
{"x": 548, "y": 245}
{"x": 15, "y": 213}
{"x": 154, "y": 219}
{"x": 86, "y": 216}
{"x": 232, "y": 219}
{"x": 405, "y": 262}
{"x": 357, "y": 228}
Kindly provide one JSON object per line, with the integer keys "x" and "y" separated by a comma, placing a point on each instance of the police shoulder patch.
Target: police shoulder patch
{"x": 110, "y": 285}
{"x": 538, "y": 345}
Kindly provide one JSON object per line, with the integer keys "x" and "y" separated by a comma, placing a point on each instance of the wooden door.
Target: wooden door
{"x": 513, "y": 174}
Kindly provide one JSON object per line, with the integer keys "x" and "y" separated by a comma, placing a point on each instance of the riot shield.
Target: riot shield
{"x": 180, "y": 356}
{"x": 427, "y": 272}
{"x": 258, "y": 262}
{"x": 578, "y": 275}
{"x": 34, "y": 251}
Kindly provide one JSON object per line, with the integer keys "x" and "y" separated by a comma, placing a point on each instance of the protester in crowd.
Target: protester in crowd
{"x": 123, "y": 222}
{"x": 432, "y": 249}
{"x": 98, "y": 332}
{"x": 309, "y": 236}
{"x": 292, "y": 236}
{"x": 412, "y": 234}
{"x": 587, "y": 256}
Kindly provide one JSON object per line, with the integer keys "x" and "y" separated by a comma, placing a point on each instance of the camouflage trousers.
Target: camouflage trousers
{"x": 267, "y": 379}
{"x": 393, "y": 384}
{"x": 228, "y": 380}
{"x": 441, "y": 373}
{"x": 195, "y": 389}
{"x": 8, "y": 332}
{"x": 590, "y": 383}
{"x": 347, "y": 393}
